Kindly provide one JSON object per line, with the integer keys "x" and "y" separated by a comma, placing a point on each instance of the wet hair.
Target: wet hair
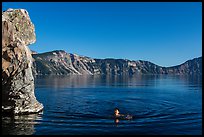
{"x": 116, "y": 109}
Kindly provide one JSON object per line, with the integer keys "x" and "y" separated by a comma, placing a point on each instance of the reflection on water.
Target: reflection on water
{"x": 75, "y": 81}
{"x": 20, "y": 125}
{"x": 82, "y": 105}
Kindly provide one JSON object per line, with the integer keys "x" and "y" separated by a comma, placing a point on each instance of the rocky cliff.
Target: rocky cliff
{"x": 192, "y": 67}
{"x": 17, "y": 79}
{"x": 61, "y": 63}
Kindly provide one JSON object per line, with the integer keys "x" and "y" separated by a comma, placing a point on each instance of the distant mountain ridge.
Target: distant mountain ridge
{"x": 59, "y": 62}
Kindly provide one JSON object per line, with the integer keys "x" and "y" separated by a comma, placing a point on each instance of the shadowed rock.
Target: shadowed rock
{"x": 59, "y": 62}
{"x": 17, "y": 79}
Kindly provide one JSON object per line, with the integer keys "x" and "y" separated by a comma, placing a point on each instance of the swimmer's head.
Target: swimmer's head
{"x": 116, "y": 111}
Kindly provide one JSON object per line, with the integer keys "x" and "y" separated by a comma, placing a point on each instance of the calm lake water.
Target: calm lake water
{"x": 83, "y": 105}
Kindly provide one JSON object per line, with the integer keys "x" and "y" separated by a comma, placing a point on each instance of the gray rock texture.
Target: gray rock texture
{"x": 17, "y": 80}
{"x": 59, "y": 62}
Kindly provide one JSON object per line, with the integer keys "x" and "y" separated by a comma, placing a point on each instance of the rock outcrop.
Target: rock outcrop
{"x": 17, "y": 80}
{"x": 191, "y": 67}
{"x": 61, "y": 63}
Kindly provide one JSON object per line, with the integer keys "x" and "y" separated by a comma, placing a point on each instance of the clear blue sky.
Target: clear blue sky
{"x": 166, "y": 34}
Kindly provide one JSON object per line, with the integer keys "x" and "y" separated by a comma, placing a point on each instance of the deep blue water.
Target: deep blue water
{"x": 162, "y": 105}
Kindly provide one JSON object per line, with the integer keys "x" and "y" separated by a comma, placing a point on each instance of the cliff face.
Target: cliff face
{"x": 62, "y": 63}
{"x": 17, "y": 79}
{"x": 191, "y": 67}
